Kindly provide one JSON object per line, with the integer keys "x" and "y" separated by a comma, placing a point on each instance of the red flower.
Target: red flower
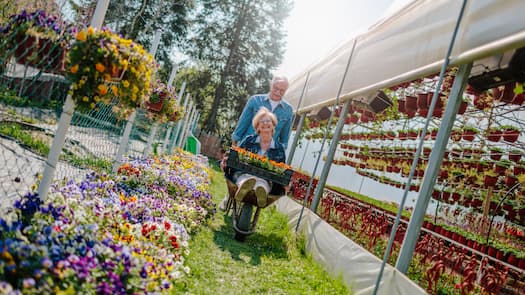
{"x": 167, "y": 225}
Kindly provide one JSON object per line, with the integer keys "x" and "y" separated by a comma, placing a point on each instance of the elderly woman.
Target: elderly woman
{"x": 261, "y": 143}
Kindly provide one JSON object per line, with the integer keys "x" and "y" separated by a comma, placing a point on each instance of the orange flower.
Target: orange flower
{"x": 100, "y": 67}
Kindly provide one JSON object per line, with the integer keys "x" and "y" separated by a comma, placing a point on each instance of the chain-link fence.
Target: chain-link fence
{"x": 33, "y": 90}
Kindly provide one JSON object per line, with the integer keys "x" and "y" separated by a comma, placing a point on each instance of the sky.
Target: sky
{"x": 316, "y": 27}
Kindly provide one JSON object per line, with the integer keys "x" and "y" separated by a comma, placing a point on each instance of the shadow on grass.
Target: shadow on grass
{"x": 263, "y": 243}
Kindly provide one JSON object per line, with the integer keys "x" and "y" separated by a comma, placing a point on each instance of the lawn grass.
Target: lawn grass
{"x": 270, "y": 261}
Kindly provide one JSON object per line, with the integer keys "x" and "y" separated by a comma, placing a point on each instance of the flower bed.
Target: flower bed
{"x": 127, "y": 233}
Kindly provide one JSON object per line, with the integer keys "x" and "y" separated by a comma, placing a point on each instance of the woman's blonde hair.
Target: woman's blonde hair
{"x": 261, "y": 113}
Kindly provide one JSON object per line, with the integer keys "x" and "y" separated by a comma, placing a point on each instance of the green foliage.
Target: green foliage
{"x": 9, "y": 97}
{"x": 138, "y": 20}
{"x": 242, "y": 58}
{"x": 14, "y": 131}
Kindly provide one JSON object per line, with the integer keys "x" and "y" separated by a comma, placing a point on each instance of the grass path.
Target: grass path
{"x": 271, "y": 261}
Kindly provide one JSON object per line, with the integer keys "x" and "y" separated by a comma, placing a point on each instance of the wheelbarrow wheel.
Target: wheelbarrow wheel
{"x": 244, "y": 222}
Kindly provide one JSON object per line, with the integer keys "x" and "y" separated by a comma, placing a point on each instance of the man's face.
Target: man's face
{"x": 278, "y": 89}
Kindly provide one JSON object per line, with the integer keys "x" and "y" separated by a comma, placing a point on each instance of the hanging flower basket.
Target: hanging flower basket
{"x": 511, "y": 134}
{"x": 494, "y": 134}
{"x": 104, "y": 66}
{"x": 156, "y": 105}
{"x": 514, "y": 155}
{"x": 469, "y": 133}
{"x": 36, "y": 40}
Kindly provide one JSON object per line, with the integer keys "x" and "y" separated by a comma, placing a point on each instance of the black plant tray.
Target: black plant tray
{"x": 280, "y": 178}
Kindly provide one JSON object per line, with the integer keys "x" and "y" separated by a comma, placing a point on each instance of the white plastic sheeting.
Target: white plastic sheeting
{"x": 341, "y": 256}
{"x": 409, "y": 44}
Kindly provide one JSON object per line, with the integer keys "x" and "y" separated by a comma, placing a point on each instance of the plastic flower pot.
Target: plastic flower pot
{"x": 422, "y": 101}
{"x": 490, "y": 181}
{"x": 422, "y": 112}
{"x": 468, "y": 135}
{"x": 401, "y": 106}
{"x": 514, "y": 156}
{"x": 511, "y": 135}
{"x": 410, "y": 103}
{"x": 519, "y": 99}
{"x": 462, "y": 108}
{"x": 494, "y": 135}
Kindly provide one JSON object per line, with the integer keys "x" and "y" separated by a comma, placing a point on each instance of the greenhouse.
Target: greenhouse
{"x": 407, "y": 153}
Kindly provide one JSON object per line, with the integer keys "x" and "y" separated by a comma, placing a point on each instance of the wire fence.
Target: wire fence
{"x": 33, "y": 90}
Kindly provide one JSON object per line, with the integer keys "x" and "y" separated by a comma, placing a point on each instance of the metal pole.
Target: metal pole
{"x": 167, "y": 138}
{"x": 181, "y": 138}
{"x": 308, "y": 190}
{"x": 156, "y": 42}
{"x": 301, "y": 122}
{"x": 65, "y": 117}
{"x": 172, "y": 77}
{"x": 100, "y": 14}
{"x": 124, "y": 142}
{"x": 329, "y": 157}
{"x": 326, "y": 168}
{"x": 296, "y": 138}
{"x": 436, "y": 157}
{"x": 188, "y": 126}
{"x": 151, "y": 138}
{"x": 179, "y": 126}
{"x": 56, "y": 147}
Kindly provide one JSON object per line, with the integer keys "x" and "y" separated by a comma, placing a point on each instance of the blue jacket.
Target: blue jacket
{"x": 283, "y": 111}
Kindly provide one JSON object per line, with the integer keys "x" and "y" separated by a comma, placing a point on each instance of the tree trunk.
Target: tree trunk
{"x": 130, "y": 33}
{"x": 211, "y": 122}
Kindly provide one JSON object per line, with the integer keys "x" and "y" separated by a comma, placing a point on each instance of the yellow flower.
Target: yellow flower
{"x": 135, "y": 89}
{"x": 100, "y": 67}
{"x": 74, "y": 69}
{"x": 91, "y": 31}
{"x": 102, "y": 89}
{"x": 125, "y": 83}
{"x": 124, "y": 63}
{"x": 114, "y": 89}
{"x": 85, "y": 98}
{"x": 81, "y": 36}
{"x": 92, "y": 105}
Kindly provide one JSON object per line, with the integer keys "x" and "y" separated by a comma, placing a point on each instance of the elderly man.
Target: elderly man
{"x": 272, "y": 101}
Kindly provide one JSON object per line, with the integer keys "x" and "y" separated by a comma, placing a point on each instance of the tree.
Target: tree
{"x": 242, "y": 41}
{"x": 139, "y": 19}
{"x": 200, "y": 84}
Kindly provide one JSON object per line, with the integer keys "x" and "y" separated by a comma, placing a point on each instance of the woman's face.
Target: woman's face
{"x": 265, "y": 125}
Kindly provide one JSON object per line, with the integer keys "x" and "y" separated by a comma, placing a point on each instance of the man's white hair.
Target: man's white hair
{"x": 279, "y": 79}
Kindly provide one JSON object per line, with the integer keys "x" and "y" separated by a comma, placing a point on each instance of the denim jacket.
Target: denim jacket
{"x": 283, "y": 111}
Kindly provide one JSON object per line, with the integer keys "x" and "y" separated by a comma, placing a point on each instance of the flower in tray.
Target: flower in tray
{"x": 261, "y": 161}
{"x": 103, "y": 66}
{"x": 35, "y": 39}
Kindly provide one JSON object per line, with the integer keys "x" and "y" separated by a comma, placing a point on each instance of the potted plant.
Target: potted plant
{"x": 494, "y": 134}
{"x": 469, "y": 132}
{"x": 36, "y": 39}
{"x": 162, "y": 104}
{"x": 510, "y": 133}
{"x": 514, "y": 155}
{"x": 496, "y": 153}
{"x": 102, "y": 66}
